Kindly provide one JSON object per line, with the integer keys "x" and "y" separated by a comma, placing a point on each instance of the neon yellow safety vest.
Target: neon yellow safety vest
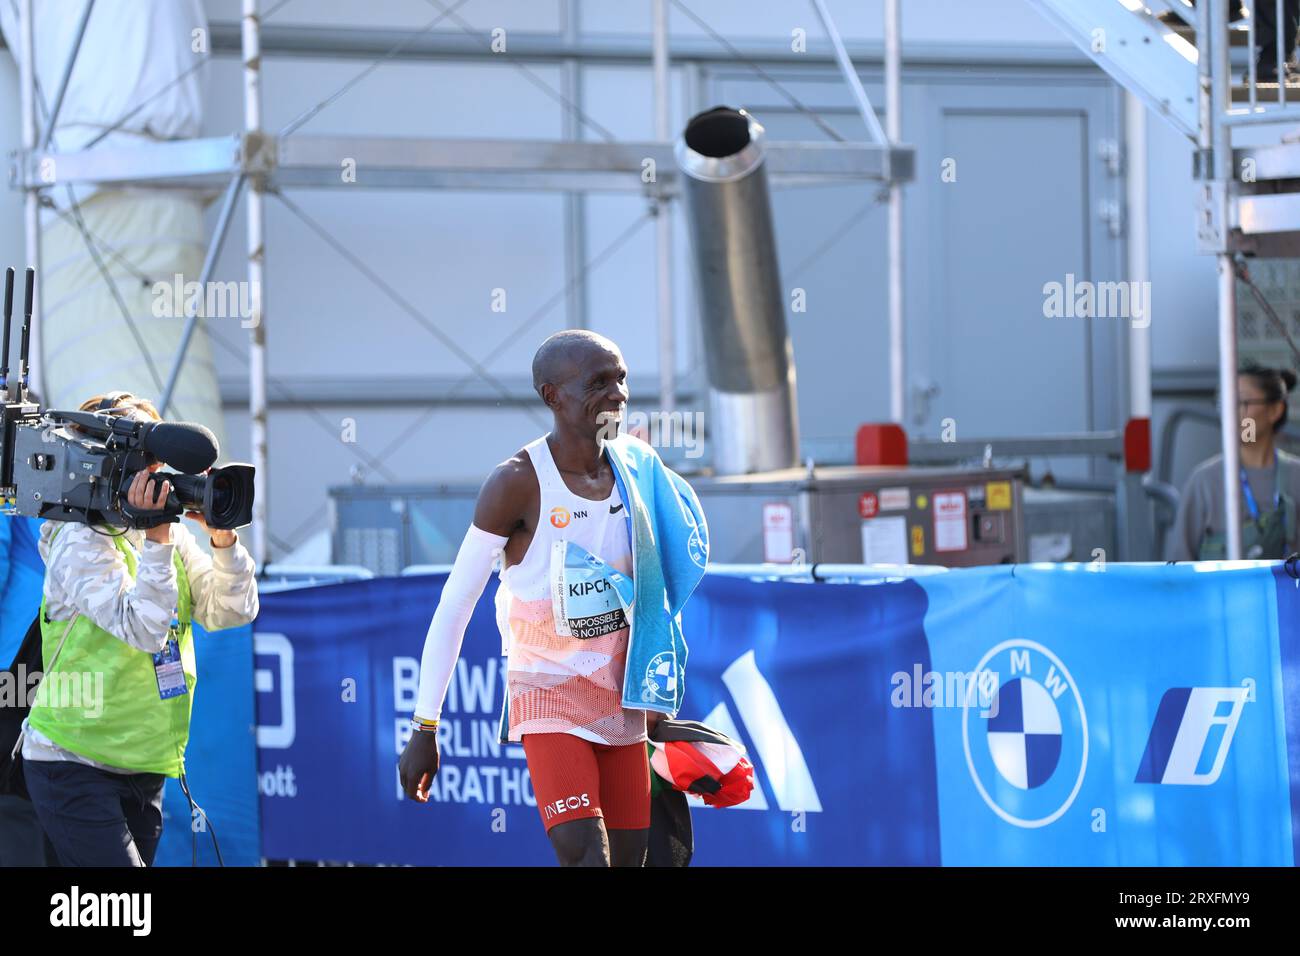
{"x": 129, "y": 725}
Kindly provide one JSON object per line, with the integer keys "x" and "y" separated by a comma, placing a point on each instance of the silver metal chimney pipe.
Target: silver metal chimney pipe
{"x": 753, "y": 423}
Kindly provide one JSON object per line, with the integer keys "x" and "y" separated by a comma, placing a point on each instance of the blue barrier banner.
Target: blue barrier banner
{"x": 801, "y": 674}
{"x": 1138, "y": 717}
{"x": 1039, "y": 715}
{"x": 337, "y": 675}
{"x": 1042, "y": 714}
{"x": 797, "y": 677}
{"x": 337, "y": 678}
{"x": 220, "y": 761}
{"x": 1288, "y": 626}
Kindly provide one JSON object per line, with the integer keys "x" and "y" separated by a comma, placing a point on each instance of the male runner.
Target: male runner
{"x": 586, "y": 752}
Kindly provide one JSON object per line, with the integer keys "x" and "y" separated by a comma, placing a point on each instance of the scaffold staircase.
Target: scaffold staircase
{"x": 1194, "y": 69}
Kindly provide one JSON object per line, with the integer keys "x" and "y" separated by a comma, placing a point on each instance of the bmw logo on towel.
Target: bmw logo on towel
{"x": 660, "y": 678}
{"x": 1027, "y": 742}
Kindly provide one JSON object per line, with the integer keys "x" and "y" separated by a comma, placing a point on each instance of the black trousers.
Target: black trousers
{"x": 94, "y": 817}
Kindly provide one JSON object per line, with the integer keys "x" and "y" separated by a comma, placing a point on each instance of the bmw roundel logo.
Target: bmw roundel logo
{"x": 697, "y": 543}
{"x": 1026, "y": 742}
{"x": 660, "y": 678}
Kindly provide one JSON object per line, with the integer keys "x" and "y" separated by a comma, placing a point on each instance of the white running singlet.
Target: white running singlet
{"x": 559, "y": 683}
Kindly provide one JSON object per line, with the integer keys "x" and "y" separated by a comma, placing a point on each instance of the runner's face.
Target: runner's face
{"x": 595, "y": 396}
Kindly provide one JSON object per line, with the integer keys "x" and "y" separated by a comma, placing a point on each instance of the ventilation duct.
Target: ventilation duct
{"x": 753, "y": 423}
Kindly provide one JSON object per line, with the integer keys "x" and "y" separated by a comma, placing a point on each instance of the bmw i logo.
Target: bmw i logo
{"x": 1027, "y": 752}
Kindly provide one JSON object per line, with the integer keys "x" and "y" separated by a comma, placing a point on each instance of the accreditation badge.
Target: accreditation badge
{"x": 169, "y": 670}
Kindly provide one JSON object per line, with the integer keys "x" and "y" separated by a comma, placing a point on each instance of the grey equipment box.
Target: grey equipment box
{"x": 390, "y": 527}
{"x": 838, "y": 515}
{"x": 845, "y": 514}
{"x": 1065, "y": 525}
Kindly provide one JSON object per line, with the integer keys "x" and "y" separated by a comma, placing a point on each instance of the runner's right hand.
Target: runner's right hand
{"x": 419, "y": 764}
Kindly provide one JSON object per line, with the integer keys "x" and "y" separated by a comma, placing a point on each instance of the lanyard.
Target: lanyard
{"x": 1277, "y": 489}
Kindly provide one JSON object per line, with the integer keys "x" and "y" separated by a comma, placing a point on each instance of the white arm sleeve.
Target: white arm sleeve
{"x": 469, "y": 575}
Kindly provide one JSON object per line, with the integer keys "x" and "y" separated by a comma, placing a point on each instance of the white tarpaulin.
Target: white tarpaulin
{"x": 140, "y": 68}
{"x": 131, "y": 58}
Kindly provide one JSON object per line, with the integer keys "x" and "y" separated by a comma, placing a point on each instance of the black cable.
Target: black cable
{"x": 207, "y": 823}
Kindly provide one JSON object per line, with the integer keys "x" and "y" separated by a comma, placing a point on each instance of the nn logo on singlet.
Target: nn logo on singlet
{"x": 560, "y": 517}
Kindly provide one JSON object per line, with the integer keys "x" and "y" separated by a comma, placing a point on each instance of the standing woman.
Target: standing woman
{"x": 1268, "y": 483}
{"x": 118, "y": 608}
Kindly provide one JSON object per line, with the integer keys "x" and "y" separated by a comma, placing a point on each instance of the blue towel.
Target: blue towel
{"x": 670, "y": 550}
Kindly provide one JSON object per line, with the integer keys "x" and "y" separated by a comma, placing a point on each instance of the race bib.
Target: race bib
{"x": 589, "y": 597}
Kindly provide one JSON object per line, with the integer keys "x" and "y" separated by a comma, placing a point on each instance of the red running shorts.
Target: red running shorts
{"x": 575, "y": 778}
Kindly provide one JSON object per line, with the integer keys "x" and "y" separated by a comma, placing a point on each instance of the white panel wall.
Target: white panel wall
{"x": 946, "y": 21}
{"x": 445, "y": 252}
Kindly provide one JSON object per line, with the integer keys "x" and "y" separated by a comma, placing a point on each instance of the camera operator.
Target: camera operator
{"x": 96, "y": 773}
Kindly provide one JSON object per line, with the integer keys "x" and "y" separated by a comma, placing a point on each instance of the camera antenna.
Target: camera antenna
{"x": 4, "y": 349}
{"x": 25, "y": 344}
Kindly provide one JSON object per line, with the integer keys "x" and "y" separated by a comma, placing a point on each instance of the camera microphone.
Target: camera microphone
{"x": 186, "y": 446}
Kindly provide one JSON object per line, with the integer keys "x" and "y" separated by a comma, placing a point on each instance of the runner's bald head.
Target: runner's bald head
{"x": 562, "y": 355}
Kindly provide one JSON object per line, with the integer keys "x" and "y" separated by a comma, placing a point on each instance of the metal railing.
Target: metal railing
{"x": 1214, "y": 46}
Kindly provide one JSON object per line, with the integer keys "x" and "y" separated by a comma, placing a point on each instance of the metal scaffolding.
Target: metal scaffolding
{"x": 266, "y": 162}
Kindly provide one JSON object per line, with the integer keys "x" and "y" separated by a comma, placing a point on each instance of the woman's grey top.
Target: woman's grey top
{"x": 1201, "y": 507}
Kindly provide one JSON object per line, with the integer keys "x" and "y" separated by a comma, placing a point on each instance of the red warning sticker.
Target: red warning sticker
{"x": 868, "y": 504}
